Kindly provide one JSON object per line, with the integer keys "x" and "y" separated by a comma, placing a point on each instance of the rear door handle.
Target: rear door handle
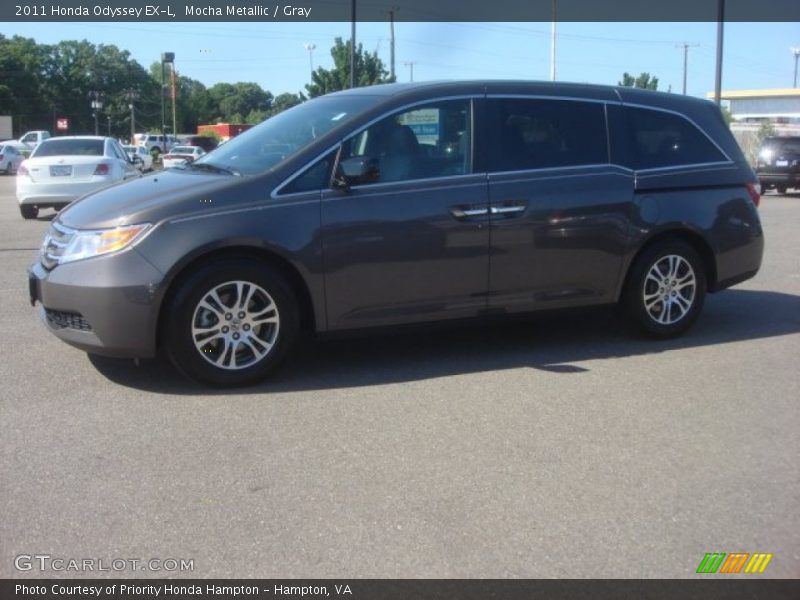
{"x": 509, "y": 209}
{"x": 466, "y": 212}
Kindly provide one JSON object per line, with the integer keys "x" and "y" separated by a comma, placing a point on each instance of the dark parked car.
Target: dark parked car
{"x": 778, "y": 164}
{"x": 408, "y": 203}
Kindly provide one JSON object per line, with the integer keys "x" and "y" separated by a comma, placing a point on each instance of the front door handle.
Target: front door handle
{"x": 466, "y": 212}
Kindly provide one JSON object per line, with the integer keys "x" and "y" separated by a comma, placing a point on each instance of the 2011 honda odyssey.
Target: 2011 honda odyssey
{"x": 407, "y": 203}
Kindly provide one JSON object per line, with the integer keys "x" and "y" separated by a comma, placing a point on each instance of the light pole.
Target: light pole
{"x": 166, "y": 57}
{"x": 97, "y": 106}
{"x": 410, "y": 64}
{"x": 796, "y": 51}
{"x": 553, "y": 45}
{"x": 310, "y": 47}
{"x": 131, "y": 97}
{"x": 353, "y": 44}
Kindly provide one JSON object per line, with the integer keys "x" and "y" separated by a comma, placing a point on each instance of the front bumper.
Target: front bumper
{"x": 106, "y": 305}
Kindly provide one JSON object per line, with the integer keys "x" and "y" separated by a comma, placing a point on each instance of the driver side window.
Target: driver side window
{"x": 433, "y": 140}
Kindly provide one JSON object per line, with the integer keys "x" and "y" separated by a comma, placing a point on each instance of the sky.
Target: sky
{"x": 756, "y": 55}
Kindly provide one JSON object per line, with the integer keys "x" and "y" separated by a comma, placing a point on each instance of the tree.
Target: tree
{"x": 644, "y": 81}
{"x": 370, "y": 70}
{"x": 22, "y": 82}
{"x": 234, "y": 101}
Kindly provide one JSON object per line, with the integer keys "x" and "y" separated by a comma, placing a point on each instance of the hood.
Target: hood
{"x": 161, "y": 195}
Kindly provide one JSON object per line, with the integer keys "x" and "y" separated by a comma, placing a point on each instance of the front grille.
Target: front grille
{"x": 60, "y": 319}
{"x": 57, "y": 239}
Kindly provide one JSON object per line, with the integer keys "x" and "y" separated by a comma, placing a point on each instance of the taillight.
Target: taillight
{"x": 22, "y": 170}
{"x": 754, "y": 195}
{"x": 102, "y": 169}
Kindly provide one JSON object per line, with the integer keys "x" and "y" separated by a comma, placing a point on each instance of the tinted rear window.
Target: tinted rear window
{"x": 787, "y": 146}
{"x": 53, "y": 147}
{"x": 662, "y": 139}
{"x": 536, "y": 134}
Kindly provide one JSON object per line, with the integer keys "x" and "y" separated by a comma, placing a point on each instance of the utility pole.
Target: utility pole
{"x": 686, "y": 47}
{"x": 109, "y": 125}
{"x": 353, "y": 44}
{"x": 310, "y": 47}
{"x": 553, "y": 45}
{"x": 174, "y": 94}
{"x": 720, "y": 32}
{"x": 796, "y": 52}
{"x": 391, "y": 43}
{"x": 410, "y": 64}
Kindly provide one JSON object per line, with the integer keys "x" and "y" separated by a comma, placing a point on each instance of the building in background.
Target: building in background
{"x": 753, "y": 111}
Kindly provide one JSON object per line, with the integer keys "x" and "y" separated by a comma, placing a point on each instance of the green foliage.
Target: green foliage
{"x": 210, "y": 133}
{"x": 370, "y": 70}
{"x": 726, "y": 115}
{"x": 765, "y": 130}
{"x": 39, "y": 82}
{"x": 644, "y": 81}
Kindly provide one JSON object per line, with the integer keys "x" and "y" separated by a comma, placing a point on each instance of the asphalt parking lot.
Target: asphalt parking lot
{"x": 550, "y": 448}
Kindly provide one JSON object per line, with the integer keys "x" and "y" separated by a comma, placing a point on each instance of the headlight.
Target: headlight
{"x": 86, "y": 244}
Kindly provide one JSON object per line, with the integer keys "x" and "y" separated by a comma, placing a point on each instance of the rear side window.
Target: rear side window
{"x": 662, "y": 139}
{"x": 538, "y": 134}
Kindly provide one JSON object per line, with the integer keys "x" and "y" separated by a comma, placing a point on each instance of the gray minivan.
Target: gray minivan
{"x": 407, "y": 203}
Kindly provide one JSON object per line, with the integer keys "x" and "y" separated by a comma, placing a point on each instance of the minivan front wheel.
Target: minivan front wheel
{"x": 231, "y": 322}
{"x": 666, "y": 289}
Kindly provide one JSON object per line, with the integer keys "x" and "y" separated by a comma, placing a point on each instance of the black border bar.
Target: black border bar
{"x": 712, "y": 588}
{"x": 404, "y": 10}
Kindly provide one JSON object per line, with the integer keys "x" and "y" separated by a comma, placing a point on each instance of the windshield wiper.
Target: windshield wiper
{"x": 215, "y": 168}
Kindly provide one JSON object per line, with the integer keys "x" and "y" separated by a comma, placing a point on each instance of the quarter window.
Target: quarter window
{"x": 430, "y": 141}
{"x": 662, "y": 139}
{"x": 538, "y": 134}
{"x": 314, "y": 178}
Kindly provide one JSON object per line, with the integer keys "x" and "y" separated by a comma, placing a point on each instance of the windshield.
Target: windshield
{"x": 281, "y": 136}
{"x": 56, "y": 147}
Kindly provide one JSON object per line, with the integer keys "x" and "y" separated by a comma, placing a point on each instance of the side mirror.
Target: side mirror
{"x": 356, "y": 170}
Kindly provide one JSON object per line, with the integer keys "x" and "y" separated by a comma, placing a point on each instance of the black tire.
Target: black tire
{"x": 654, "y": 317}
{"x": 184, "y": 310}
{"x": 28, "y": 212}
{"x": 8, "y": 169}
{"x": 781, "y": 189}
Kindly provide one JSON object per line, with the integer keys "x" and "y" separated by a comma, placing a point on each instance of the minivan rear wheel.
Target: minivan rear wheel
{"x": 231, "y": 322}
{"x": 666, "y": 289}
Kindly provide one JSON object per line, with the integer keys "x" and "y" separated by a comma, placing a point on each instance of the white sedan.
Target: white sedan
{"x": 140, "y": 156}
{"x": 10, "y": 158}
{"x": 181, "y": 155}
{"x": 62, "y": 169}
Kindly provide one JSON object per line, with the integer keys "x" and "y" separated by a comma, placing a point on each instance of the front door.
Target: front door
{"x": 412, "y": 245}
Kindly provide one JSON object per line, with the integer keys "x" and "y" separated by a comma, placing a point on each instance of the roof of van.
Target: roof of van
{"x": 587, "y": 90}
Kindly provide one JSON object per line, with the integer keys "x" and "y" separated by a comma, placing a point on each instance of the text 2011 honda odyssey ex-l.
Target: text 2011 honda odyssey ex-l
{"x": 407, "y": 203}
